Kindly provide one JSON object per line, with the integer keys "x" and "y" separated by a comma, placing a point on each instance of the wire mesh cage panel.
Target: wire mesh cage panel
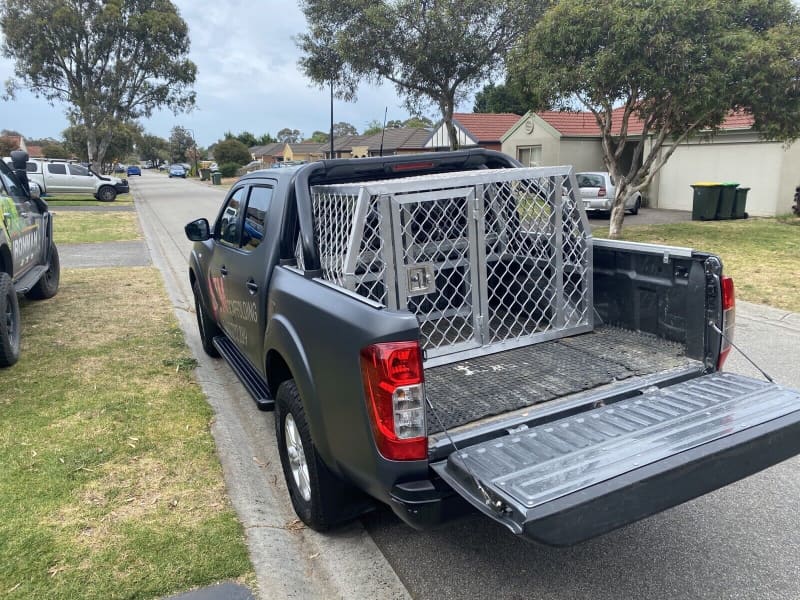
{"x": 487, "y": 260}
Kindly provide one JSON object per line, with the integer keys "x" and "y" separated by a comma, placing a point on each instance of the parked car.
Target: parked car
{"x": 427, "y": 344}
{"x": 62, "y": 177}
{"x": 28, "y": 256}
{"x": 598, "y": 190}
{"x": 119, "y": 168}
{"x": 177, "y": 171}
{"x": 134, "y": 170}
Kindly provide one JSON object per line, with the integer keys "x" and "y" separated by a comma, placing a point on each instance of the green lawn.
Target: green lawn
{"x": 762, "y": 255}
{"x": 111, "y": 486}
{"x": 84, "y": 200}
{"x": 94, "y": 226}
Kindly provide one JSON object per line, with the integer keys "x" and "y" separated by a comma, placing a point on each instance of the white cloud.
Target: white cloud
{"x": 247, "y": 79}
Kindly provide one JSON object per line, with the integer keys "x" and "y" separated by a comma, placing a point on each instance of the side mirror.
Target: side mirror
{"x": 19, "y": 158}
{"x": 198, "y": 231}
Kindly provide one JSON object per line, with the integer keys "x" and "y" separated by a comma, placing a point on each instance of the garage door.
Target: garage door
{"x": 753, "y": 165}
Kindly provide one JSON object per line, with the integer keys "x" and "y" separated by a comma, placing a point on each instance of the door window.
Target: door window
{"x": 228, "y": 228}
{"x": 78, "y": 170}
{"x": 57, "y": 169}
{"x": 255, "y": 217}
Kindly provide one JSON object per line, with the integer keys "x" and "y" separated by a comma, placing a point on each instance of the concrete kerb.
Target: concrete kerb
{"x": 290, "y": 561}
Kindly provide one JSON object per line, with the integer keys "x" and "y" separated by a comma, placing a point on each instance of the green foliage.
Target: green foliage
{"x": 55, "y": 151}
{"x": 247, "y": 138}
{"x": 122, "y": 137}
{"x": 342, "y": 128}
{"x": 111, "y": 62}
{"x": 418, "y": 122}
{"x": 181, "y": 144}
{"x": 373, "y": 127}
{"x": 680, "y": 66}
{"x": 505, "y": 98}
{"x": 320, "y": 137}
{"x": 229, "y": 169}
{"x": 232, "y": 151}
{"x": 7, "y": 146}
{"x": 435, "y": 53}
{"x": 265, "y": 139}
{"x": 289, "y": 136}
{"x": 154, "y": 149}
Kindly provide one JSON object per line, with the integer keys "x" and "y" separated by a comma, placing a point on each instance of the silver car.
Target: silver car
{"x": 597, "y": 191}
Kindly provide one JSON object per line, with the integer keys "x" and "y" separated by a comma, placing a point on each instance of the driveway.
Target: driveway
{"x": 646, "y": 216}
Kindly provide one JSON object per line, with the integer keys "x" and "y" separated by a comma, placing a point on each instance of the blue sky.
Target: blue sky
{"x": 247, "y": 79}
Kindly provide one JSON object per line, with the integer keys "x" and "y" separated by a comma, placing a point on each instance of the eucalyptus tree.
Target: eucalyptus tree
{"x": 110, "y": 61}
{"x": 655, "y": 72}
{"x": 435, "y": 52}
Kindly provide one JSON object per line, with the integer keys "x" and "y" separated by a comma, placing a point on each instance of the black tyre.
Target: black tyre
{"x": 208, "y": 328}
{"x": 319, "y": 498}
{"x": 636, "y": 206}
{"x": 47, "y": 286}
{"x": 9, "y": 322}
{"x": 107, "y": 194}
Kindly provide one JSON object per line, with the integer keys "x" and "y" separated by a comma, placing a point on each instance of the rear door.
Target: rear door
{"x": 80, "y": 180}
{"x": 57, "y": 178}
{"x": 572, "y": 479}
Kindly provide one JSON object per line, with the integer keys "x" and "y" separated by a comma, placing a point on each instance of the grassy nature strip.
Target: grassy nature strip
{"x": 762, "y": 255}
{"x": 94, "y": 226}
{"x": 110, "y": 486}
{"x": 84, "y": 200}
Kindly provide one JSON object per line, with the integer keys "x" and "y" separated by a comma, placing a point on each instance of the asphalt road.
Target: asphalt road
{"x": 740, "y": 542}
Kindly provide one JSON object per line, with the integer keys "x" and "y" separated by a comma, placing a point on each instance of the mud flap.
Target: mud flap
{"x": 584, "y": 475}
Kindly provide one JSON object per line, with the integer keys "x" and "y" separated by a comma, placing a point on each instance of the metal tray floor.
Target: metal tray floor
{"x": 472, "y": 389}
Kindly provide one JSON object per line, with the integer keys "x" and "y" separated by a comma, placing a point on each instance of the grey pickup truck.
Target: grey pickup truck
{"x": 440, "y": 331}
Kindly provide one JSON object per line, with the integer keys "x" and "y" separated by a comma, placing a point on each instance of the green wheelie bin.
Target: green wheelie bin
{"x": 216, "y": 178}
{"x": 739, "y": 203}
{"x": 727, "y": 198}
{"x": 705, "y": 200}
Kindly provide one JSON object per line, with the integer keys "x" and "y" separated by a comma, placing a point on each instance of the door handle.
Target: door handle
{"x": 252, "y": 287}
{"x": 224, "y": 270}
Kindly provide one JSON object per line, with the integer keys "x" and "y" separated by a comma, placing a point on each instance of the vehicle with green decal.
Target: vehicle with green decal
{"x": 29, "y": 261}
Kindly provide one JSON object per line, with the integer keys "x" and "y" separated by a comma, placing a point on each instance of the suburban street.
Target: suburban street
{"x": 740, "y": 542}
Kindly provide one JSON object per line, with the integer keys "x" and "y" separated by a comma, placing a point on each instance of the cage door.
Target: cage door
{"x": 435, "y": 242}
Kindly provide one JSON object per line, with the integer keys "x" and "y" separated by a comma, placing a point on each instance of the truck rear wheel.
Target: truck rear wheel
{"x": 319, "y": 498}
{"x": 106, "y": 193}
{"x": 9, "y": 322}
{"x": 47, "y": 286}
{"x": 208, "y": 328}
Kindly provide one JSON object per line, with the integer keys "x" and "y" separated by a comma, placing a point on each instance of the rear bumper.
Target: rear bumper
{"x": 597, "y": 204}
{"x": 667, "y": 483}
{"x": 423, "y": 505}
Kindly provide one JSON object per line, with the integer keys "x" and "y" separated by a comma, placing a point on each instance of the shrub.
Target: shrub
{"x": 228, "y": 169}
{"x": 231, "y": 151}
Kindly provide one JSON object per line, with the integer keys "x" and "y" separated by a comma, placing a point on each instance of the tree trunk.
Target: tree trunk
{"x": 102, "y": 148}
{"x": 91, "y": 147}
{"x": 448, "y": 107}
{"x": 618, "y": 209}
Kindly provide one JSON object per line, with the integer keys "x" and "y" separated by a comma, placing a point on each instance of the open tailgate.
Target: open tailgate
{"x": 572, "y": 479}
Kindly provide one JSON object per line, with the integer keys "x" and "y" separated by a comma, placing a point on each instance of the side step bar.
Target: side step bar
{"x": 250, "y": 378}
{"x": 30, "y": 279}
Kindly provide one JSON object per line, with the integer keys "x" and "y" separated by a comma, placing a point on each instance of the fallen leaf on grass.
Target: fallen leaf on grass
{"x": 56, "y": 569}
{"x": 13, "y": 588}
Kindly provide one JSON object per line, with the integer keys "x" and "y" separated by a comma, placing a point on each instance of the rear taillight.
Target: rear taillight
{"x": 601, "y": 192}
{"x": 728, "y": 318}
{"x": 395, "y": 391}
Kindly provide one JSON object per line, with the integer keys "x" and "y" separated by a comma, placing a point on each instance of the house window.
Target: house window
{"x": 529, "y": 156}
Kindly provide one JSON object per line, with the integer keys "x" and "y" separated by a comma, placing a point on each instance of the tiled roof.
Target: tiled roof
{"x": 308, "y": 147}
{"x": 407, "y": 138}
{"x": 35, "y": 151}
{"x": 274, "y": 149}
{"x": 486, "y": 127}
{"x": 581, "y": 124}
